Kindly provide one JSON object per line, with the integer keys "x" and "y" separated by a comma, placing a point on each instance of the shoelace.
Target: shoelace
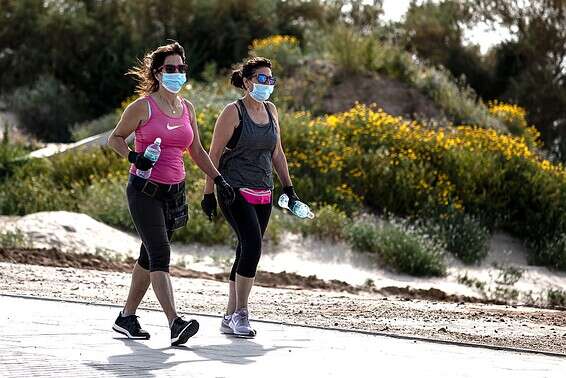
{"x": 136, "y": 324}
{"x": 244, "y": 319}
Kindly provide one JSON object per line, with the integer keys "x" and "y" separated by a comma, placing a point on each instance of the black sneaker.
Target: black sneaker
{"x": 182, "y": 330}
{"x": 129, "y": 326}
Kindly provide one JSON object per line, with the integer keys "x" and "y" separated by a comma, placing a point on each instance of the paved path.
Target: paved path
{"x": 50, "y": 338}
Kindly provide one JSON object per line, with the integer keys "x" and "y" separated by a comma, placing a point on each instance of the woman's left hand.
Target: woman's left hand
{"x": 293, "y": 197}
{"x": 208, "y": 205}
{"x": 225, "y": 191}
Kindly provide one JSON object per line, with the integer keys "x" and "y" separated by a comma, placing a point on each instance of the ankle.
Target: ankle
{"x": 171, "y": 321}
{"x": 124, "y": 313}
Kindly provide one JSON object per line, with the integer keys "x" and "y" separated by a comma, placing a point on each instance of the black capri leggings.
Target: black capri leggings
{"x": 148, "y": 215}
{"x": 249, "y": 223}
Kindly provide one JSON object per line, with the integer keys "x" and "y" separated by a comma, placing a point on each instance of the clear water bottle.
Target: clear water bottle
{"x": 299, "y": 209}
{"x": 152, "y": 153}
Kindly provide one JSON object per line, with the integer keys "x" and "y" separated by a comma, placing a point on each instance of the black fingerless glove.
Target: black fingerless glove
{"x": 208, "y": 205}
{"x": 141, "y": 162}
{"x": 293, "y": 197}
{"x": 225, "y": 192}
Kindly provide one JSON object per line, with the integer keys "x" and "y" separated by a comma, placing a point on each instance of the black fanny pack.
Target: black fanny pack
{"x": 174, "y": 200}
{"x": 176, "y": 211}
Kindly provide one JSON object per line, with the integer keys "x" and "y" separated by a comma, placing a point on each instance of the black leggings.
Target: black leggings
{"x": 148, "y": 215}
{"x": 249, "y": 222}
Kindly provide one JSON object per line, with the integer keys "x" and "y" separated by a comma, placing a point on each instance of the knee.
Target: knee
{"x": 249, "y": 258}
{"x": 159, "y": 259}
{"x": 143, "y": 260}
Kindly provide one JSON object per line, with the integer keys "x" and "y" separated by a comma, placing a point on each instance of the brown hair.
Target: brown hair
{"x": 247, "y": 70}
{"x": 144, "y": 73}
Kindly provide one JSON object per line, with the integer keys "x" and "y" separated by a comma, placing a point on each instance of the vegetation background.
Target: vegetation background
{"x": 475, "y": 143}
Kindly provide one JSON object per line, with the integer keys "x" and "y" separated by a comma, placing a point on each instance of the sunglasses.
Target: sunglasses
{"x": 264, "y": 79}
{"x": 172, "y": 68}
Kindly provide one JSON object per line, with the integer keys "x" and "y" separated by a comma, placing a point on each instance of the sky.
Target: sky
{"x": 480, "y": 34}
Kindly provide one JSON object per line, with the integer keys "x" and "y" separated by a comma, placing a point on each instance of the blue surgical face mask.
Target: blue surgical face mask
{"x": 173, "y": 82}
{"x": 261, "y": 92}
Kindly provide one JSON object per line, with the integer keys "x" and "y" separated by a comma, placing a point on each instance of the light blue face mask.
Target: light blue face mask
{"x": 173, "y": 82}
{"x": 261, "y": 92}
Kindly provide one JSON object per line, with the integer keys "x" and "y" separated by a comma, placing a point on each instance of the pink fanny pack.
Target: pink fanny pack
{"x": 256, "y": 196}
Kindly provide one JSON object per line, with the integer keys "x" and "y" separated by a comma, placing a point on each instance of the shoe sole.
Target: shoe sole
{"x": 226, "y": 330}
{"x": 249, "y": 335}
{"x": 189, "y": 331}
{"x": 125, "y": 332}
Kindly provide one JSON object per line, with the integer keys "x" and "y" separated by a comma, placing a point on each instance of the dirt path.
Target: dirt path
{"x": 496, "y": 325}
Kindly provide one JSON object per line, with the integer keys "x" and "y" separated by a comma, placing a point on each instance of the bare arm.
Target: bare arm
{"x": 223, "y": 131}
{"x": 197, "y": 152}
{"x": 135, "y": 114}
{"x": 279, "y": 158}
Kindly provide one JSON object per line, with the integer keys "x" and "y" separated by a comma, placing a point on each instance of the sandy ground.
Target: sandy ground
{"x": 504, "y": 326}
{"x": 504, "y": 276}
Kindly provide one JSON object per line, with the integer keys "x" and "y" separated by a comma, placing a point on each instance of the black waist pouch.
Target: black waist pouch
{"x": 176, "y": 211}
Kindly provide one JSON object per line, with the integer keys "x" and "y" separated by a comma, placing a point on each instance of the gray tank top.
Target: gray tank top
{"x": 249, "y": 164}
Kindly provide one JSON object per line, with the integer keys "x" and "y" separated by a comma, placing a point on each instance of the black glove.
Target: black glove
{"x": 293, "y": 197}
{"x": 141, "y": 162}
{"x": 208, "y": 205}
{"x": 225, "y": 192}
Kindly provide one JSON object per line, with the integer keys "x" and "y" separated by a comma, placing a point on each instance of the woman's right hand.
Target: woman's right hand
{"x": 208, "y": 205}
{"x": 141, "y": 162}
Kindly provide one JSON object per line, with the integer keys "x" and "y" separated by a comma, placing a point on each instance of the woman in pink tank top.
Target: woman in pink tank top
{"x": 156, "y": 189}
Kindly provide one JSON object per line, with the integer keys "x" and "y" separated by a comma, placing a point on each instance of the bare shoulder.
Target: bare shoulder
{"x": 140, "y": 104}
{"x": 230, "y": 113}
{"x": 272, "y": 107}
{"x": 189, "y": 105}
{"x": 138, "y": 109}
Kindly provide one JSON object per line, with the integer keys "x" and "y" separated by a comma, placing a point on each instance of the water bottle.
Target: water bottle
{"x": 152, "y": 153}
{"x": 299, "y": 209}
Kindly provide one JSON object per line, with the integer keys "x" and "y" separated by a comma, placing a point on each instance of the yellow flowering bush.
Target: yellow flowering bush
{"x": 515, "y": 118}
{"x": 283, "y": 51}
{"x": 366, "y": 156}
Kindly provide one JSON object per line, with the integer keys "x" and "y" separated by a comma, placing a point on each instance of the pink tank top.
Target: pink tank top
{"x": 176, "y": 136}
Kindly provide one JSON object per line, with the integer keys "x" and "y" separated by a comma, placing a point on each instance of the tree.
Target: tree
{"x": 536, "y": 62}
{"x": 435, "y": 31}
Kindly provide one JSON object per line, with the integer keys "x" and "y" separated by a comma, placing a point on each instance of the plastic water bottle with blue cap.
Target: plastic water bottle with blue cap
{"x": 299, "y": 209}
{"x": 152, "y": 153}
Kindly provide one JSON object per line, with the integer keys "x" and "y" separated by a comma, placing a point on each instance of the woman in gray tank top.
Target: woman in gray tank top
{"x": 246, "y": 146}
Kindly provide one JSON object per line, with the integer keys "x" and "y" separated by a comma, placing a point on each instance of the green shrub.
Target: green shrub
{"x": 549, "y": 252}
{"x": 94, "y": 127}
{"x": 456, "y": 98}
{"x": 9, "y": 154}
{"x": 105, "y": 201}
{"x": 200, "y": 230}
{"x": 46, "y": 109}
{"x": 463, "y": 235}
{"x": 283, "y": 51}
{"x": 363, "y": 235}
{"x": 329, "y": 223}
{"x": 349, "y": 49}
{"x": 408, "y": 251}
{"x": 556, "y": 297}
{"x": 401, "y": 247}
{"x": 354, "y": 52}
{"x": 31, "y": 189}
{"x": 56, "y": 183}
{"x": 13, "y": 239}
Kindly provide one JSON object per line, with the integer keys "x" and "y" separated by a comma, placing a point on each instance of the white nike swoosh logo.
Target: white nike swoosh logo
{"x": 169, "y": 127}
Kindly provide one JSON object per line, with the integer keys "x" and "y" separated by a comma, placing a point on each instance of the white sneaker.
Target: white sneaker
{"x": 240, "y": 324}
{"x": 225, "y": 325}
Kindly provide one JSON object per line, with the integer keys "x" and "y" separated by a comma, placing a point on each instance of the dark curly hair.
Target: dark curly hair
{"x": 144, "y": 73}
{"x": 247, "y": 70}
